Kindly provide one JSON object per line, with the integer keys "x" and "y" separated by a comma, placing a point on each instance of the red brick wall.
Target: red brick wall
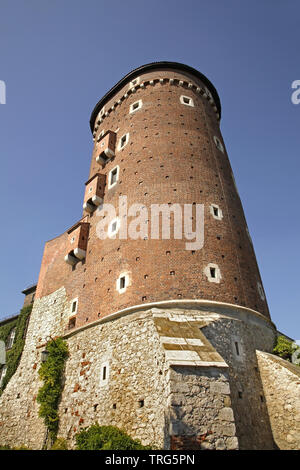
{"x": 171, "y": 157}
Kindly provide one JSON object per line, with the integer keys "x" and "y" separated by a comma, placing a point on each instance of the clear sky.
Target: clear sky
{"x": 59, "y": 57}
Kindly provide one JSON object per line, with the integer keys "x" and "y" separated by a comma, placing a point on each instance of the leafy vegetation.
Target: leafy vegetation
{"x": 13, "y": 355}
{"x": 60, "y": 444}
{"x": 98, "y": 437}
{"x": 284, "y": 348}
{"x": 49, "y": 394}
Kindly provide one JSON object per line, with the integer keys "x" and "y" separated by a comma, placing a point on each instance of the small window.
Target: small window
{"x": 11, "y": 338}
{"x": 186, "y": 100}
{"x": 72, "y": 239}
{"x": 113, "y": 177}
{"x": 216, "y": 212}
{"x": 218, "y": 144}
{"x": 74, "y": 306}
{"x": 135, "y": 106}
{"x": 123, "y": 141}
{"x": 2, "y": 374}
{"x": 237, "y": 349}
{"x": 122, "y": 283}
{"x": 104, "y": 374}
{"x": 213, "y": 273}
{"x": 113, "y": 227}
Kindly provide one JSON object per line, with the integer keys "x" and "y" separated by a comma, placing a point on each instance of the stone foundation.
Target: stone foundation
{"x": 168, "y": 376}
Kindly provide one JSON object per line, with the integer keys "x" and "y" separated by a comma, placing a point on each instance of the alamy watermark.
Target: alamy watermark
{"x": 188, "y": 222}
{"x": 2, "y": 92}
{"x": 296, "y": 94}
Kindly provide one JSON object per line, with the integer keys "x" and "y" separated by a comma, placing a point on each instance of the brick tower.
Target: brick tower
{"x": 162, "y": 336}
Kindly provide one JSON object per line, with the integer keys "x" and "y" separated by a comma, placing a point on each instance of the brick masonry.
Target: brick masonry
{"x": 171, "y": 157}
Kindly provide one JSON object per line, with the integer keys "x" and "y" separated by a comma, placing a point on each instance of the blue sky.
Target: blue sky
{"x": 58, "y": 58}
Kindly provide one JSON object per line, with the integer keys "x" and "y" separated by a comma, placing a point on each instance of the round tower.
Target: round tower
{"x": 157, "y": 141}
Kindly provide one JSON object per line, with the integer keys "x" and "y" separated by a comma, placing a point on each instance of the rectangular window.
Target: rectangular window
{"x": 104, "y": 373}
{"x": 123, "y": 141}
{"x": 113, "y": 176}
{"x": 212, "y": 272}
{"x": 74, "y": 306}
{"x": 237, "y": 350}
{"x": 122, "y": 282}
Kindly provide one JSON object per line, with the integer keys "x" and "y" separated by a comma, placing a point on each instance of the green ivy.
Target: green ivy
{"x": 284, "y": 348}
{"x": 13, "y": 355}
{"x": 98, "y": 437}
{"x": 49, "y": 394}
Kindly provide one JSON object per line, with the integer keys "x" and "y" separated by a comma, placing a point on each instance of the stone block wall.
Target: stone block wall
{"x": 167, "y": 376}
{"x": 281, "y": 384}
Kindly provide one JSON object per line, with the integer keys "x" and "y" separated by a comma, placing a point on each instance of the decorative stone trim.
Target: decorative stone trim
{"x": 189, "y": 304}
{"x": 121, "y": 289}
{"x": 135, "y": 106}
{"x": 133, "y": 87}
{"x": 187, "y": 101}
{"x": 125, "y": 142}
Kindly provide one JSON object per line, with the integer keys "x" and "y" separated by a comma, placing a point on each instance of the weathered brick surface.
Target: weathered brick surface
{"x": 171, "y": 157}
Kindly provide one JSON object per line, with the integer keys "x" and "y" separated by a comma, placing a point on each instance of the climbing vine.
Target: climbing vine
{"x": 51, "y": 372}
{"x": 13, "y": 355}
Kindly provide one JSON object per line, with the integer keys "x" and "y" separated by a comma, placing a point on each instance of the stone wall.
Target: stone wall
{"x": 167, "y": 376}
{"x": 281, "y": 383}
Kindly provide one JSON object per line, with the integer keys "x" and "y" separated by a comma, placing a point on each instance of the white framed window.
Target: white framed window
{"x": 134, "y": 82}
{"x": 2, "y": 374}
{"x": 218, "y": 144}
{"x": 213, "y": 273}
{"x": 104, "y": 373}
{"x": 261, "y": 291}
{"x": 123, "y": 141}
{"x": 74, "y": 307}
{"x": 186, "y": 100}
{"x": 113, "y": 176}
{"x": 113, "y": 227}
{"x": 216, "y": 212}
{"x": 11, "y": 338}
{"x": 135, "y": 106}
{"x": 122, "y": 282}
